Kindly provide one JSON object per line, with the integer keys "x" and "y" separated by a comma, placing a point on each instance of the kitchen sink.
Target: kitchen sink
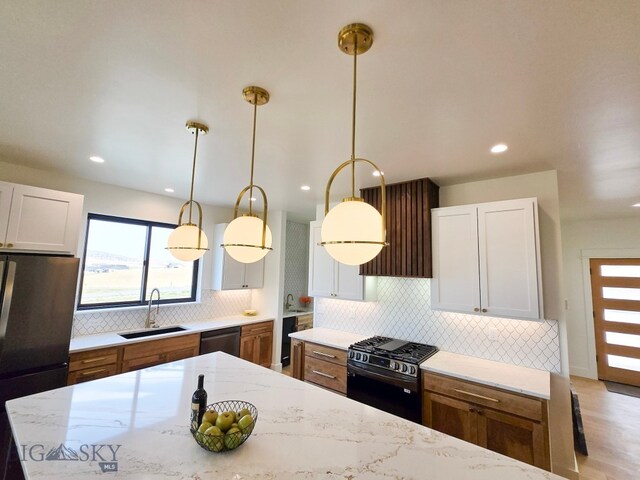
{"x": 149, "y": 333}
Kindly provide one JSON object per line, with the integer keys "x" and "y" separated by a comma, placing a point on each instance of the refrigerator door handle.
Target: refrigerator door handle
{"x": 6, "y": 299}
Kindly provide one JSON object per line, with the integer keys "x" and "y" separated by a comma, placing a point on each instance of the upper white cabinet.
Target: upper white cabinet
{"x": 332, "y": 279}
{"x": 229, "y": 274}
{"x": 486, "y": 259}
{"x": 36, "y": 219}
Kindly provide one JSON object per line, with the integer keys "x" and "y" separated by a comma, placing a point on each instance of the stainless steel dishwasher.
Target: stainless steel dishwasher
{"x": 226, "y": 340}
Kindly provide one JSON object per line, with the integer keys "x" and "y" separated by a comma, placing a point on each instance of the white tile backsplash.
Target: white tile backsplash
{"x": 213, "y": 304}
{"x": 403, "y": 310}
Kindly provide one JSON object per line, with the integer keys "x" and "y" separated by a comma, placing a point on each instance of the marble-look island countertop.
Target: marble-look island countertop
{"x": 112, "y": 339}
{"x": 302, "y": 432}
{"x": 528, "y": 381}
{"x": 329, "y": 337}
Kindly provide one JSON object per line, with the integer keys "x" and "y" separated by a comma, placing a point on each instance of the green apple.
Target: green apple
{"x": 204, "y": 426}
{"x": 245, "y": 423}
{"x": 210, "y": 416}
{"x": 225, "y": 420}
{"x": 243, "y": 412}
{"x": 232, "y": 438}
{"x": 214, "y": 439}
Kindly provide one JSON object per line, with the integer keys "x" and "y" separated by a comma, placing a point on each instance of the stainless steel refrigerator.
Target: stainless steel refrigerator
{"x": 37, "y": 295}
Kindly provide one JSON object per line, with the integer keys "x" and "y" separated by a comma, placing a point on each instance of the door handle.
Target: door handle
{"x": 484, "y": 310}
{"x": 6, "y": 299}
{"x": 477, "y": 396}
{"x": 323, "y": 354}
{"x": 323, "y": 374}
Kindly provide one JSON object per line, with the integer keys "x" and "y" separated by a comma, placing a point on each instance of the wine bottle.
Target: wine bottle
{"x": 198, "y": 403}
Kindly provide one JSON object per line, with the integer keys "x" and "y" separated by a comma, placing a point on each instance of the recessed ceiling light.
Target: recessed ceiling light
{"x": 169, "y": 190}
{"x": 636, "y": 205}
{"x": 499, "y": 148}
{"x": 96, "y": 159}
{"x": 377, "y": 173}
{"x": 305, "y": 187}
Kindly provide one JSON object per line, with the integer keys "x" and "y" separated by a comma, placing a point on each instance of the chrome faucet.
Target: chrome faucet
{"x": 288, "y": 305}
{"x": 152, "y": 323}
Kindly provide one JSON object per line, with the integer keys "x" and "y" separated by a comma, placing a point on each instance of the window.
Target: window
{"x": 125, "y": 259}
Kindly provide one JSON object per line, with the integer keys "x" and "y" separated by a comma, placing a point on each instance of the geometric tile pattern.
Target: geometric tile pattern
{"x": 213, "y": 304}
{"x": 403, "y": 310}
{"x": 296, "y": 262}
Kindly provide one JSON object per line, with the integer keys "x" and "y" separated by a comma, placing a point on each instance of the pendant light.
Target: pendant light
{"x": 188, "y": 242}
{"x": 248, "y": 238}
{"x": 354, "y": 232}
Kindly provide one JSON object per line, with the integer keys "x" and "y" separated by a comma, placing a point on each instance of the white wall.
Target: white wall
{"x": 581, "y": 240}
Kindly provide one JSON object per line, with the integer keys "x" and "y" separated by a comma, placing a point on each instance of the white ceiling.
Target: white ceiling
{"x": 557, "y": 80}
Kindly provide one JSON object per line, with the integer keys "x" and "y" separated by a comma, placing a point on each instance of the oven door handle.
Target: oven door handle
{"x": 390, "y": 378}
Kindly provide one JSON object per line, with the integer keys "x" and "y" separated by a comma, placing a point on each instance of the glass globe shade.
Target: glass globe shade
{"x": 352, "y": 221}
{"x": 246, "y": 231}
{"x": 183, "y": 243}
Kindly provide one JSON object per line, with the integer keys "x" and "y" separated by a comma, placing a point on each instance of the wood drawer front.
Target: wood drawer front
{"x": 485, "y": 396}
{"x": 93, "y": 373}
{"x": 328, "y": 354}
{"x": 93, "y": 358}
{"x": 326, "y": 374}
{"x": 165, "y": 345}
{"x": 257, "y": 329}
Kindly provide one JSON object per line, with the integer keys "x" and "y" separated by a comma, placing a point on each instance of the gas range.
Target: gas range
{"x": 397, "y": 356}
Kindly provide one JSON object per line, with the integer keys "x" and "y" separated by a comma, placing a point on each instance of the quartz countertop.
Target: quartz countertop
{"x": 291, "y": 313}
{"x": 528, "y": 381}
{"x": 112, "y": 339}
{"x": 328, "y": 337}
{"x": 138, "y": 422}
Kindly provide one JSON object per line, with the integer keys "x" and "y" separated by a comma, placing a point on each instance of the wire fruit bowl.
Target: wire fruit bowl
{"x": 227, "y": 441}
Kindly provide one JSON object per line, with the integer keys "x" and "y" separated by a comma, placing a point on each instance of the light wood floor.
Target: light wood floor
{"x": 612, "y": 429}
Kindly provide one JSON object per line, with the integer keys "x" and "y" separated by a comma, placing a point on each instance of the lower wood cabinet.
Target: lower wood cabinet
{"x": 155, "y": 352}
{"x": 256, "y": 343}
{"x": 104, "y": 362}
{"x": 504, "y": 422}
{"x": 320, "y": 365}
{"x": 93, "y": 364}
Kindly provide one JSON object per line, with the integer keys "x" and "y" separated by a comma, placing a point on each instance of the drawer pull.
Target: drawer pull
{"x": 91, "y": 372}
{"x": 93, "y": 360}
{"x": 323, "y": 374}
{"x": 477, "y": 396}
{"x": 323, "y": 354}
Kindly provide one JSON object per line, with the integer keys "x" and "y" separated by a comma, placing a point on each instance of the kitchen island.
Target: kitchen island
{"x": 138, "y": 423}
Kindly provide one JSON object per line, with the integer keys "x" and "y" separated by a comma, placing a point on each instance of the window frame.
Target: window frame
{"x": 149, "y": 224}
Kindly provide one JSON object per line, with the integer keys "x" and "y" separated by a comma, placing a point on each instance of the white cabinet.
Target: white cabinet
{"x": 229, "y": 274}
{"x": 329, "y": 278}
{"x": 486, "y": 259}
{"x": 36, "y": 219}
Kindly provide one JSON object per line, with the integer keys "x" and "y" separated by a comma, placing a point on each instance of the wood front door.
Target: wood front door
{"x": 615, "y": 287}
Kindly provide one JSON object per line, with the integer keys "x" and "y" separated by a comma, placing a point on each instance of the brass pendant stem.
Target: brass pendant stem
{"x": 353, "y": 119}
{"x": 253, "y": 151}
{"x": 193, "y": 174}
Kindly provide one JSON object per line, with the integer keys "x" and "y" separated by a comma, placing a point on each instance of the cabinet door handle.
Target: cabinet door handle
{"x": 323, "y": 374}
{"x": 484, "y": 310}
{"x": 477, "y": 395}
{"x": 323, "y": 354}
{"x": 93, "y": 360}
{"x": 476, "y": 309}
{"x": 91, "y": 372}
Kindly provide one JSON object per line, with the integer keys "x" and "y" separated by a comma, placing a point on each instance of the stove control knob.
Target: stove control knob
{"x": 395, "y": 365}
{"x": 404, "y": 368}
{"x": 365, "y": 357}
{"x": 351, "y": 354}
{"x": 412, "y": 370}
{"x": 358, "y": 356}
